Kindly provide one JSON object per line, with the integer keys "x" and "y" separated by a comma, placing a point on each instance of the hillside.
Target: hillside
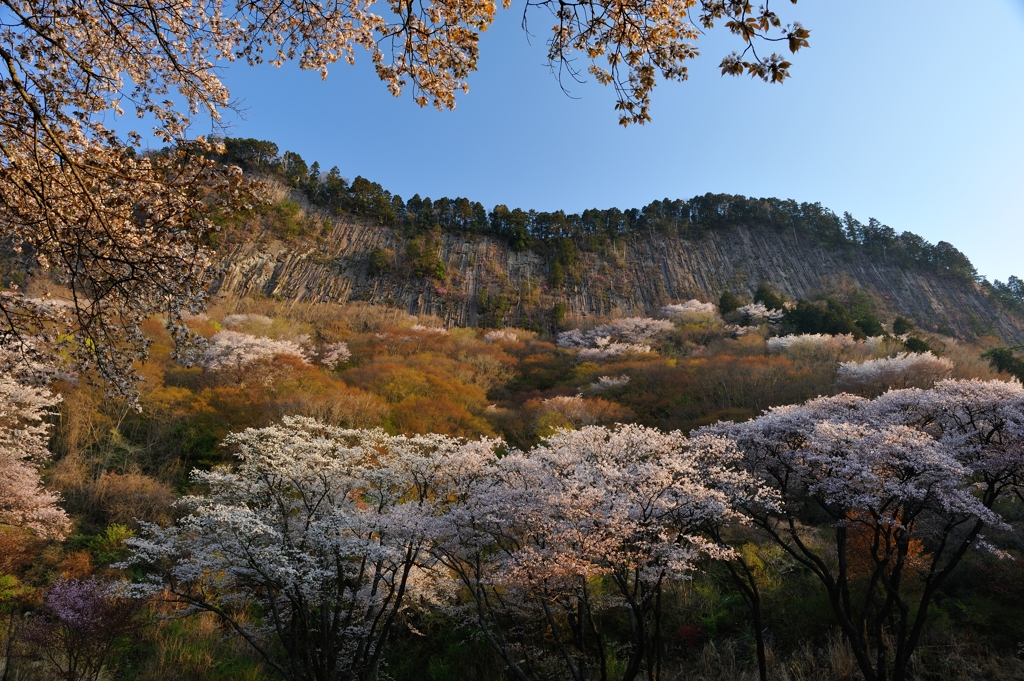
{"x": 301, "y": 252}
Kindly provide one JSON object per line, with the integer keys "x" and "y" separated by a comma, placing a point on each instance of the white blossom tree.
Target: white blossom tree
{"x": 23, "y": 437}
{"x": 548, "y": 542}
{"x": 692, "y": 312}
{"x": 334, "y": 355}
{"x": 896, "y": 479}
{"x": 236, "y": 350}
{"x": 757, "y": 313}
{"x": 904, "y": 370}
{"x": 309, "y": 547}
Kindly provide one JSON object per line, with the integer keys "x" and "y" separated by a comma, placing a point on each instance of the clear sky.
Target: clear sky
{"x": 908, "y": 111}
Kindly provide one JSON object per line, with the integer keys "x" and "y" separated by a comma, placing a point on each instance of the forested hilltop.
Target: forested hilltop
{"x": 326, "y": 239}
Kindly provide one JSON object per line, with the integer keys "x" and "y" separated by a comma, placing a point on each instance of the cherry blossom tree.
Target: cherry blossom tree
{"x": 548, "y": 542}
{"x": 80, "y": 625}
{"x": 501, "y": 336}
{"x": 609, "y": 382}
{"x": 319, "y": 532}
{"x": 808, "y": 341}
{"x": 757, "y": 313}
{"x": 242, "y": 356}
{"x": 23, "y": 438}
{"x": 692, "y": 312}
{"x": 906, "y": 369}
{"x": 335, "y": 354}
{"x": 620, "y": 337}
{"x": 897, "y": 481}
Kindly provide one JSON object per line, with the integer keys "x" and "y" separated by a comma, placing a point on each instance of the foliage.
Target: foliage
{"x": 1009, "y": 295}
{"x": 425, "y": 262}
{"x": 1004, "y": 360}
{"x": 833, "y": 318}
{"x": 728, "y": 302}
{"x": 768, "y": 297}
{"x": 381, "y": 260}
{"x": 902, "y": 325}
{"x": 916, "y": 345}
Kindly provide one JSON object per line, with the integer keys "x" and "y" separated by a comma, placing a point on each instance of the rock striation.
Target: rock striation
{"x": 486, "y": 283}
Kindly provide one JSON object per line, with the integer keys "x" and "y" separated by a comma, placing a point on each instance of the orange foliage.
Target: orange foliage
{"x": 75, "y": 565}
{"x": 419, "y": 414}
{"x": 863, "y": 555}
{"x": 18, "y": 549}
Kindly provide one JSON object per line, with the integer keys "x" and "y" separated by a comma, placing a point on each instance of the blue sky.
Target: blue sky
{"x": 907, "y": 111}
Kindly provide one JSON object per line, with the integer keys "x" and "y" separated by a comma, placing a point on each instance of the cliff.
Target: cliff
{"x": 486, "y": 283}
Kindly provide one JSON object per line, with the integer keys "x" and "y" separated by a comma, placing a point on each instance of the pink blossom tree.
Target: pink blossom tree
{"x": 23, "y": 437}
{"x": 897, "y": 480}
{"x": 547, "y": 543}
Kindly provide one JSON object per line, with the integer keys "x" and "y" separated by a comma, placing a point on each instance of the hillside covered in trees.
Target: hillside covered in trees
{"x": 710, "y": 447}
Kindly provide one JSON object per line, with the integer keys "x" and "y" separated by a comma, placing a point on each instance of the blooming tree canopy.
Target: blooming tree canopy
{"x": 907, "y": 481}
{"x": 547, "y": 541}
{"x": 234, "y": 350}
{"x": 757, "y": 313}
{"x": 691, "y": 312}
{"x": 318, "y": 528}
{"x": 906, "y": 369}
{"x": 23, "y": 438}
{"x": 620, "y": 337}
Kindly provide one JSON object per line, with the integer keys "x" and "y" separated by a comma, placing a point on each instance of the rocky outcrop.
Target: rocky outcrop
{"x": 487, "y": 283}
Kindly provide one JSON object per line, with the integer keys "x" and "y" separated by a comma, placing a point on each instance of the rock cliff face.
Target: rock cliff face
{"x": 488, "y": 284}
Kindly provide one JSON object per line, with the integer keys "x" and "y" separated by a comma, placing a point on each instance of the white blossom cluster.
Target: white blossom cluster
{"x": 428, "y": 329}
{"x": 23, "y": 437}
{"x": 605, "y": 349}
{"x": 811, "y": 340}
{"x": 317, "y": 521}
{"x": 757, "y": 313}
{"x": 235, "y": 350}
{"x": 574, "y": 409}
{"x": 627, "y": 330}
{"x": 691, "y": 311}
{"x": 500, "y": 336}
{"x": 609, "y": 382}
{"x": 904, "y": 369}
{"x": 240, "y": 319}
{"x": 911, "y": 468}
{"x": 620, "y": 337}
{"x": 334, "y": 354}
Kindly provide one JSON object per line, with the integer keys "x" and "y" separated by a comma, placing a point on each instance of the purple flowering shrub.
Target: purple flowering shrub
{"x": 81, "y": 625}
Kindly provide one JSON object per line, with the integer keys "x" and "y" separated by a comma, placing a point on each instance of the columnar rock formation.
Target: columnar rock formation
{"x": 487, "y": 283}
